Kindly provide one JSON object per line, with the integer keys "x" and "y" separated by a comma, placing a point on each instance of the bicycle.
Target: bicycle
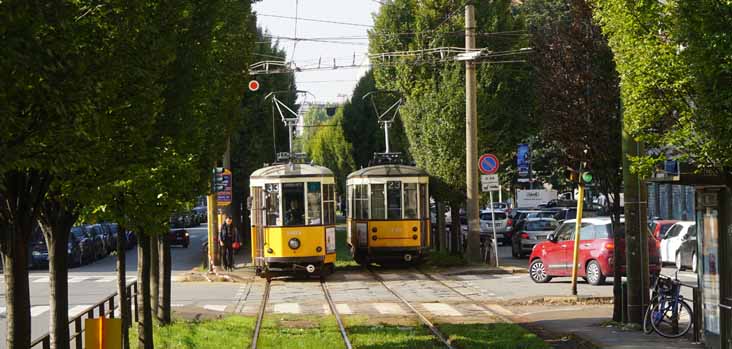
{"x": 669, "y": 314}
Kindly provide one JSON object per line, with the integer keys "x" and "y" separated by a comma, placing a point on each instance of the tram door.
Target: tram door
{"x": 257, "y": 218}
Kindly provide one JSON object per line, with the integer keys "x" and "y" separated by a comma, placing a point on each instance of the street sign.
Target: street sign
{"x": 488, "y": 164}
{"x": 253, "y": 85}
{"x": 489, "y": 183}
{"x": 223, "y": 197}
{"x": 523, "y": 160}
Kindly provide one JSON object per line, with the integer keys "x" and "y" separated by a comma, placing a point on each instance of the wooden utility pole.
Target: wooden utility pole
{"x": 636, "y": 236}
{"x": 471, "y": 141}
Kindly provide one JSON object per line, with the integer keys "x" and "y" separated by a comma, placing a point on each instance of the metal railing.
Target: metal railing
{"x": 106, "y": 307}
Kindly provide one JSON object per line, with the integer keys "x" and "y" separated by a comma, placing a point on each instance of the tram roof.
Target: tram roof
{"x": 390, "y": 170}
{"x": 292, "y": 170}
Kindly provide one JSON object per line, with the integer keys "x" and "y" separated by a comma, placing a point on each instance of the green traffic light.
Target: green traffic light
{"x": 587, "y": 177}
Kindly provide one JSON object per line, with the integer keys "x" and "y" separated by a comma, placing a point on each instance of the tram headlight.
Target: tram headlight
{"x": 318, "y": 249}
{"x": 294, "y": 243}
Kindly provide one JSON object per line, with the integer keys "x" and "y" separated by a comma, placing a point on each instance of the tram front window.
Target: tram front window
{"x": 394, "y": 199}
{"x": 410, "y": 200}
{"x": 293, "y": 195}
{"x": 378, "y": 206}
{"x": 314, "y": 208}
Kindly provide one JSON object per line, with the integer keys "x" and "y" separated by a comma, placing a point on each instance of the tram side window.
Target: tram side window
{"x": 410, "y": 200}
{"x": 394, "y": 199}
{"x": 378, "y": 204}
{"x": 328, "y": 204}
{"x": 272, "y": 203}
{"x": 424, "y": 204}
{"x": 293, "y": 195}
{"x": 349, "y": 207}
{"x": 314, "y": 204}
{"x": 361, "y": 201}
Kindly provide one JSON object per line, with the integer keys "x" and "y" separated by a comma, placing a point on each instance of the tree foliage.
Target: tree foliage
{"x": 673, "y": 58}
{"x": 328, "y": 147}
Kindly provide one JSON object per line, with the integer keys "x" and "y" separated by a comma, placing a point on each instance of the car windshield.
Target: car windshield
{"x": 486, "y": 216}
{"x": 542, "y": 225}
{"x": 77, "y": 233}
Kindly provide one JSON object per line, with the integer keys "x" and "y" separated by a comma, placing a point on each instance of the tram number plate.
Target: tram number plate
{"x": 396, "y": 230}
{"x": 294, "y": 233}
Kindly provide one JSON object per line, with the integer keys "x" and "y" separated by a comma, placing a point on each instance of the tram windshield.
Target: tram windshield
{"x": 378, "y": 207}
{"x": 293, "y": 195}
{"x": 410, "y": 200}
{"x": 314, "y": 204}
{"x": 394, "y": 199}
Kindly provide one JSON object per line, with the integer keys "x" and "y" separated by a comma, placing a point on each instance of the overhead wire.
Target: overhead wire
{"x": 316, "y": 20}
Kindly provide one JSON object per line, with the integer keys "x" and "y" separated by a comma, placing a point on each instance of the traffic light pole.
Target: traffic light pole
{"x": 577, "y": 228}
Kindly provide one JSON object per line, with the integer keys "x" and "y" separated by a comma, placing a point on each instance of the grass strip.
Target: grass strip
{"x": 494, "y": 335}
{"x": 228, "y": 332}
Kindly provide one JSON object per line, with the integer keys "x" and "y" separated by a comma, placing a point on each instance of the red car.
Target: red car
{"x": 660, "y": 227}
{"x": 179, "y": 237}
{"x": 554, "y": 257}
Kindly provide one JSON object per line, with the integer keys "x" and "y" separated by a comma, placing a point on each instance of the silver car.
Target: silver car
{"x": 530, "y": 232}
{"x": 486, "y": 224}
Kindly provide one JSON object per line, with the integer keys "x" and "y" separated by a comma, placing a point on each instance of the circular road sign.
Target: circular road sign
{"x": 488, "y": 164}
{"x": 253, "y": 85}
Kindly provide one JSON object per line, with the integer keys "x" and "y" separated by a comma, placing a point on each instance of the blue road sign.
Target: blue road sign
{"x": 523, "y": 160}
{"x": 488, "y": 164}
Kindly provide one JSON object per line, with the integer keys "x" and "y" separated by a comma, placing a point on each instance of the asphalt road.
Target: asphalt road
{"x": 93, "y": 282}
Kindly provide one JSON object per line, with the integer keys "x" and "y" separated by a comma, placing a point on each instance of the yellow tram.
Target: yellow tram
{"x": 388, "y": 214}
{"x": 293, "y": 219}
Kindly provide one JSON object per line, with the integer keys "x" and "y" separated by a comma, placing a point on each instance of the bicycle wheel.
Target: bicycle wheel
{"x": 671, "y": 320}
{"x": 647, "y": 327}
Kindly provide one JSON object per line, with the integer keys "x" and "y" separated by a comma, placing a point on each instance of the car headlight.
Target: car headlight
{"x": 294, "y": 243}
{"x": 187, "y": 235}
{"x": 68, "y": 250}
{"x": 36, "y": 253}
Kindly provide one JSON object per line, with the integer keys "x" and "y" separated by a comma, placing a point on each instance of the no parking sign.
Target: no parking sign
{"x": 488, "y": 164}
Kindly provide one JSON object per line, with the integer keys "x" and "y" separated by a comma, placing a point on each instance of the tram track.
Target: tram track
{"x": 260, "y": 314}
{"x": 334, "y": 311}
{"x": 435, "y": 331}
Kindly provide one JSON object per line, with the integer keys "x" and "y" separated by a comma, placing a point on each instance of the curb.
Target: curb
{"x": 554, "y": 300}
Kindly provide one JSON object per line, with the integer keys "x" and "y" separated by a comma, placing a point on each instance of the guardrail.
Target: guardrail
{"x": 105, "y": 307}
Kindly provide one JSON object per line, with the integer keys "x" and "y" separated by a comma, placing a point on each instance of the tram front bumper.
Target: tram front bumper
{"x": 394, "y": 253}
{"x": 309, "y": 264}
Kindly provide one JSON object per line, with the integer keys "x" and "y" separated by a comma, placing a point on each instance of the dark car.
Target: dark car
{"x": 75, "y": 255}
{"x": 687, "y": 252}
{"x": 179, "y": 237}
{"x": 131, "y": 240}
{"x": 86, "y": 242}
{"x": 94, "y": 232}
{"x": 566, "y": 213}
{"x": 105, "y": 235}
{"x": 39, "y": 252}
{"x": 110, "y": 237}
{"x": 529, "y": 233}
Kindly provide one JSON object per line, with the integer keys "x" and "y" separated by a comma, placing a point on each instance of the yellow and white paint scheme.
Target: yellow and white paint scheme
{"x": 388, "y": 213}
{"x": 292, "y": 211}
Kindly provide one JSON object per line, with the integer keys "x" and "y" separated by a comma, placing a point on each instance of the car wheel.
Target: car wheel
{"x": 679, "y": 265}
{"x": 693, "y": 262}
{"x": 594, "y": 273}
{"x": 537, "y": 272}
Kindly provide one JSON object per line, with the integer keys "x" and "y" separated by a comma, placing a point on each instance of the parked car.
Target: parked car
{"x": 39, "y": 251}
{"x": 671, "y": 241}
{"x": 659, "y": 227}
{"x": 553, "y": 257}
{"x": 686, "y": 255}
{"x": 565, "y": 213}
{"x": 94, "y": 232}
{"x": 110, "y": 243}
{"x": 75, "y": 255}
{"x": 131, "y": 240}
{"x": 530, "y": 232}
{"x": 86, "y": 242}
{"x": 114, "y": 230}
{"x": 502, "y": 225}
{"x": 179, "y": 237}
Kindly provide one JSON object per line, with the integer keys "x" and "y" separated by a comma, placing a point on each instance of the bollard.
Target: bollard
{"x": 697, "y": 317}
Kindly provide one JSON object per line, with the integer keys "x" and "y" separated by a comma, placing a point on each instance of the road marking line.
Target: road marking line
{"x": 38, "y": 310}
{"x": 45, "y": 279}
{"x": 548, "y": 311}
{"x": 388, "y": 308}
{"x": 78, "y": 309}
{"x": 287, "y": 308}
{"x": 441, "y": 309}
{"x": 78, "y": 279}
{"x": 344, "y": 309}
{"x": 219, "y": 308}
{"x": 500, "y": 310}
{"x": 106, "y": 279}
{"x": 177, "y": 305}
{"x": 468, "y": 277}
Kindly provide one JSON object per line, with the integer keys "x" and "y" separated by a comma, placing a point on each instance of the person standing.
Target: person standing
{"x": 227, "y": 236}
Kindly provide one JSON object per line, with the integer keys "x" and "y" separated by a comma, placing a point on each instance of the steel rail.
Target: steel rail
{"x": 260, "y": 314}
{"x": 333, "y": 309}
{"x": 435, "y": 331}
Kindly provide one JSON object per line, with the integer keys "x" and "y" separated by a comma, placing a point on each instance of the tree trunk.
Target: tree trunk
{"x": 23, "y": 192}
{"x": 17, "y": 293}
{"x": 455, "y": 228}
{"x": 165, "y": 271}
{"x": 441, "y": 232}
{"x": 144, "y": 324}
{"x": 154, "y": 274}
{"x": 56, "y": 219}
{"x": 122, "y": 285}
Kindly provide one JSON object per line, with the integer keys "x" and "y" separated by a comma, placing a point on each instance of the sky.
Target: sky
{"x": 327, "y": 85}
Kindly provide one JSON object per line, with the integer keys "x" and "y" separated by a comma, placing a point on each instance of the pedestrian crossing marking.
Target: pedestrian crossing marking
{"x": 344, "y": 309}
{"x": 77, "y": 279}
{"x": 219, "y": 308}
{"x": 38, "y": 310}
{"x": 287, "y": 308}
{"x": 106, "y": 279}
{"x": 441, "y": 309}
{"x": 468, "y": 277}
{"x": 388, "y": 308}
{"x": 45, "y": 279}
{"x": 78, "y": 309}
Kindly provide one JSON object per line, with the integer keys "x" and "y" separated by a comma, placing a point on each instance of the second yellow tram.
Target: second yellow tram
{"x": 293, "y": 219}
{"x": 388, "y": 214}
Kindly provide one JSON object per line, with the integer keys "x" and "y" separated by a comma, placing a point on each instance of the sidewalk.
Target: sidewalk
{"x": 590, "y": 324}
